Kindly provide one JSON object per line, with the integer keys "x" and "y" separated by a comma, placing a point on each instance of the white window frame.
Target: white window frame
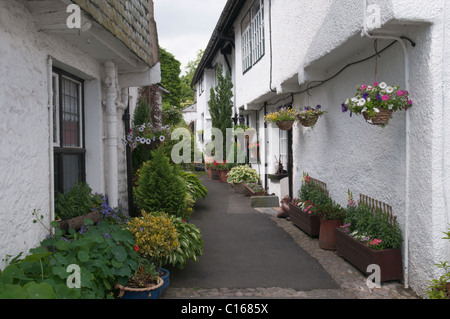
{"x": 252, "y": 35}
{"x": 284, "y": 148}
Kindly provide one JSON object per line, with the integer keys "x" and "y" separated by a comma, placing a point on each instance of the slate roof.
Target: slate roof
{"x": 127, "y": 20}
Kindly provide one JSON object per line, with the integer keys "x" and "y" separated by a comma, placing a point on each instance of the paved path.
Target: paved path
{"x": 251, "y": 253}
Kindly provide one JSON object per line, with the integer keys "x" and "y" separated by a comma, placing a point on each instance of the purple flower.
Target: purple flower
{"x": 379, "y": 97}
{"x": 365, "y": 95}
{"x": 344, "y": 108}
{"x": 318, "y": 107}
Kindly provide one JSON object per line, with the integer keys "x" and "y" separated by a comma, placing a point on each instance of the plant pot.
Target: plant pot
{"x": 285, "y": 125}
{"x": 165, "y": 276}
{"x": 309, "y": 122}
{"x": 223, "y": 176}
{"x": 327, "y": 238}
{"x": 251, "y": 192}
{"x": 310, "y": 224}
{"x": 380, "y": 118}
{"x": 214, "y": 174}
{"x": 361, "y": 256}
{"x": 152, "y": 292}
{"x": 77, "y": 222}
{"x": 240, "y": 188}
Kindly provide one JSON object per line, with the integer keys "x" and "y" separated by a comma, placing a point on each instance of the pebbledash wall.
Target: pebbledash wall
{"x": 406, "y": 163}
{"x": 24, "y": 125}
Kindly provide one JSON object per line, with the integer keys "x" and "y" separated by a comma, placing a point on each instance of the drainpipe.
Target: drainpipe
{"x": 111, "y": 135}
{"x": 365, "y": 32}
{"x": 51, "y": 190}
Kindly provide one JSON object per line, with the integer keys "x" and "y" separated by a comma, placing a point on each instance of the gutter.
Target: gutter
{"x": 365, "y": 32}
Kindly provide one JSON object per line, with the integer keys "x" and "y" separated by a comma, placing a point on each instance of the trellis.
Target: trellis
{"x": 321, "y": 184}
{"x": 376, "y": 205}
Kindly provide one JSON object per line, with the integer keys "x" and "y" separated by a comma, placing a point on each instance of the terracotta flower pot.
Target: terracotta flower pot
{"x": 223, "y": 176}
{"x": 327, "y": 238}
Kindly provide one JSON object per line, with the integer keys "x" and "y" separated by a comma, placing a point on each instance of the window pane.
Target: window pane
{"x": 72, "y": 171}
{"x": 71, "y": 113}
{"x": 246, "y": 43}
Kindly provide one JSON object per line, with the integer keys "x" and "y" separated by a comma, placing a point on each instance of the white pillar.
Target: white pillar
{"x": 112, "y": 187}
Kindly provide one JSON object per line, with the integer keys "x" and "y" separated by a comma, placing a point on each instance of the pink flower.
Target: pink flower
{"x": 363, "y": 87}
{"x": 410, "y": 102}
{"x": 376, "y": 84}
{"x": 400, "y": 93}
{"x": 375, "y": 242}
{"x": 385, "y": 97}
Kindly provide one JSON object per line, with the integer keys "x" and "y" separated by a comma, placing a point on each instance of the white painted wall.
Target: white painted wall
{"x": 24, "y": 124}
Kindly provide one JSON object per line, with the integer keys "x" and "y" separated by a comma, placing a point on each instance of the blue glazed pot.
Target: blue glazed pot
{"x": 166, "y": 278}
{"x": 150, "y": 293}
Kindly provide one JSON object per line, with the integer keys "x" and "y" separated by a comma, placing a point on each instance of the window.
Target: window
{"x": 68, "y": 140}
{"x": 252, "y": 27}
{"x": 284, "y": 149}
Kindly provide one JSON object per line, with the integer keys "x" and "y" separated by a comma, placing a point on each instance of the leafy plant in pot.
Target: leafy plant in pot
{"x": 155, "y": 238}
{"x": 302, "y": 212}
{"x": 371, "y": 236}
{"x": 331, "y": 217}
{"x": 239, "y": 175}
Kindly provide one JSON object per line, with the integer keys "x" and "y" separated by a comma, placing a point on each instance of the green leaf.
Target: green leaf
{"x": 83, "y": 256}
{"x": 64, "y": 292}
{"x": 61, "y": 272}
{"x": 13, "y": 292}
{"x": 62, "y": 245}
{"x": 119, "y": 253}
{"x": 40, "y": 291}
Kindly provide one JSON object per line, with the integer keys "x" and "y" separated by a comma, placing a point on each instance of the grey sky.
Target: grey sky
{"x": 185, "y": 26}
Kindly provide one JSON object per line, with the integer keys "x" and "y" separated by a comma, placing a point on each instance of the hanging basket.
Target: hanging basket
{"x": 285, "y": 125}
{"x": 308, "y": 122}
{"x": 380, "y": 118}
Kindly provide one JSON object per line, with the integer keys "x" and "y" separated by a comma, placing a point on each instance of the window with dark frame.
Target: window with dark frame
{"x": 252, "y": 34}
{"x": 68, "y": 128}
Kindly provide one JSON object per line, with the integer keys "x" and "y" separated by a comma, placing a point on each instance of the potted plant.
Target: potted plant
{"x": 76, "y": 205}
{"x": 223, "y": 169}
{"x": 377, "y": 102}
{"x": 155, "y": 238}
{"x": 284, "y": 118}
{"x": 301, "y": 208}
{"x": 239, "y": 175}
{"x": 331, "y": 216}
{"x": 213, "y": 170}
{"x": 370, "y": 236}
{"x": 147, "y": 136}
{"x": 255, "y": 189}
{"x": 309, "y": 116}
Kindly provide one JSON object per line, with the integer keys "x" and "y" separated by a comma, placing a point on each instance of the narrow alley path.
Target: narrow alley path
{"x": 245, "y": 251}
{"x": 251, "y": 253}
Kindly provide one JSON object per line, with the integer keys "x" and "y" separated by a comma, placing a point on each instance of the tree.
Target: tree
{"x": 187, "y": 93}
{"x": 221, "y": 104}
{"x": 160, "y": 187}
{"x": 170, "y": 77}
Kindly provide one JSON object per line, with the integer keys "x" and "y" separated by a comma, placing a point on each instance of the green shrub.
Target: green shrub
{"x": 77, "y": 202}
{"x": 440, "y": 288}
{"x": 191, "y": 244}
{"x": 105, "y": 255}
{"x": 160, "y": 187}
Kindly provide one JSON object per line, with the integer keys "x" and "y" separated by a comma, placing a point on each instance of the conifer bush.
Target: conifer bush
{"x": 160, "y": 188}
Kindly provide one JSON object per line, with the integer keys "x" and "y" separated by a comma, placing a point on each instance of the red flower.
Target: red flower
{"x": 136, "y": 248}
